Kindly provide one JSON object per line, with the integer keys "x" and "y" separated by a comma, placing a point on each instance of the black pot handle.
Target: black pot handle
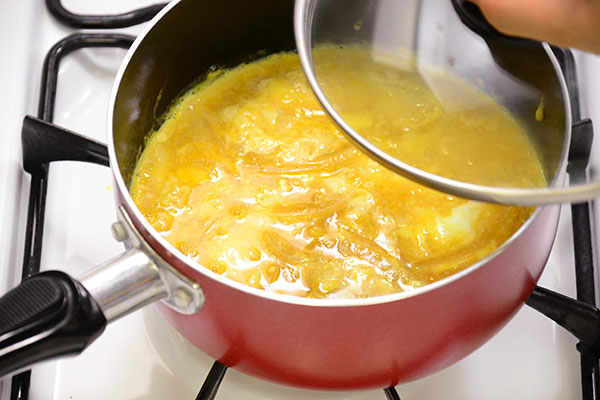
{"x": 470, "y": 14}
{"x": 47, "y": 315}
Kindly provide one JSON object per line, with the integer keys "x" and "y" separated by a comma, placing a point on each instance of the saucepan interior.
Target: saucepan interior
{"x": 187, "y": 42}
{"x": 189, "y": 38}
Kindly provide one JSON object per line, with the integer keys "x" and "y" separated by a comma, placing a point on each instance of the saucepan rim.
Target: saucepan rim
{"x": 123, "y": 190}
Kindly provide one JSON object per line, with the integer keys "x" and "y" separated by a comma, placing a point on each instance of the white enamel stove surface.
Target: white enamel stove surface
{"x": 140, "y": 357}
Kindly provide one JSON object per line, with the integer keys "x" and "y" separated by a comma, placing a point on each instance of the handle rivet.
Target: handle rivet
{"x": 182, "y": 298}
{"x": 118, "y": 231}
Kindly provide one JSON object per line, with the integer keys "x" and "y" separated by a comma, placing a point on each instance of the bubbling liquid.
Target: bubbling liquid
{"x": 249, "y": 178}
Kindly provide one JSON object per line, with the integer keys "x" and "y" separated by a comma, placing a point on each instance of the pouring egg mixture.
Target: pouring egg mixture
{"x": 248, "y": 177}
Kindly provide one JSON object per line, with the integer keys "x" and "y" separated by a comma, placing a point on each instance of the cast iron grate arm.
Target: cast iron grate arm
{"x": 215, "y": 376}
{"x": 37, "y": 163}
{"x": 113, "y": 21}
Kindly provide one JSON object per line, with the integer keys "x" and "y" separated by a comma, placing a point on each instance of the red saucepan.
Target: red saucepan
{"x": 320, "y": 343}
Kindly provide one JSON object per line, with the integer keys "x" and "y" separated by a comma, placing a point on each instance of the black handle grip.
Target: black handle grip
{"x": 579, "y": 318}
{"x": 470, "y": 14}
{"x": 524, "y": 59}
{"x": 46, "y": 316}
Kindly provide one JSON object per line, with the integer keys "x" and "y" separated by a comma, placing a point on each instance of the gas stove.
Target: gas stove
{"x": 142, "y": 357}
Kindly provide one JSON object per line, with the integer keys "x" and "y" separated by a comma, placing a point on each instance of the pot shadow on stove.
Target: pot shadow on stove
{"x": 186, "y": 368}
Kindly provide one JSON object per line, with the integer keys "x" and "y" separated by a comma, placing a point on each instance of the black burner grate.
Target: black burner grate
{"x": 580, "y": 316}
{"x": 114, "y": 21}
{"x": 40, "y": 148}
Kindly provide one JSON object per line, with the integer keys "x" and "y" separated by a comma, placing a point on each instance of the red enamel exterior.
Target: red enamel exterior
{"x": 375, "y": 345}
{"x": 319, "y": 344}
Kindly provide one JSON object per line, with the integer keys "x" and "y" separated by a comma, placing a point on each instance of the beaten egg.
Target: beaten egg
{"x": 248, "y": 177}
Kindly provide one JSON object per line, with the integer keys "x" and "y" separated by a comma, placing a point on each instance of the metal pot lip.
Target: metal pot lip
{"x": 137, "y": 216}
{"x": 555, "y": 193}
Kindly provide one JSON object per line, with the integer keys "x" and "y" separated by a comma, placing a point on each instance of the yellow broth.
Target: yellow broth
{"x": 249, "y": 178}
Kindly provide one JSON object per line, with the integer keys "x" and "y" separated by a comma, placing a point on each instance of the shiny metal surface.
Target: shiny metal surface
{"x": 125, "y": 284}
{"x": 304, "y": 18}
{"x": 139, "y": 277}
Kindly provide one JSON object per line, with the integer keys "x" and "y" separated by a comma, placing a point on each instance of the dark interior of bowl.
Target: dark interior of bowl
{"x": 181, "y": 47}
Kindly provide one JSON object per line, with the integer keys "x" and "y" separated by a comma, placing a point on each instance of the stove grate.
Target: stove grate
{"x": 213, "y": 380}
{"x": 114, "y": 21}
{"x": 39, "y": 148}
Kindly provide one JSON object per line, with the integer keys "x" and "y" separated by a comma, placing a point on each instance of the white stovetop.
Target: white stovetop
{"x": 136, "y": 359}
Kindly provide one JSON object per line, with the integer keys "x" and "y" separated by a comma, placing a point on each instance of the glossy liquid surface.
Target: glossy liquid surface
{"x": 248, "y": 177}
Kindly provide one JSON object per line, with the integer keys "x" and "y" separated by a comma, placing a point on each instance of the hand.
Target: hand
{"x": 565, "y": 23}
